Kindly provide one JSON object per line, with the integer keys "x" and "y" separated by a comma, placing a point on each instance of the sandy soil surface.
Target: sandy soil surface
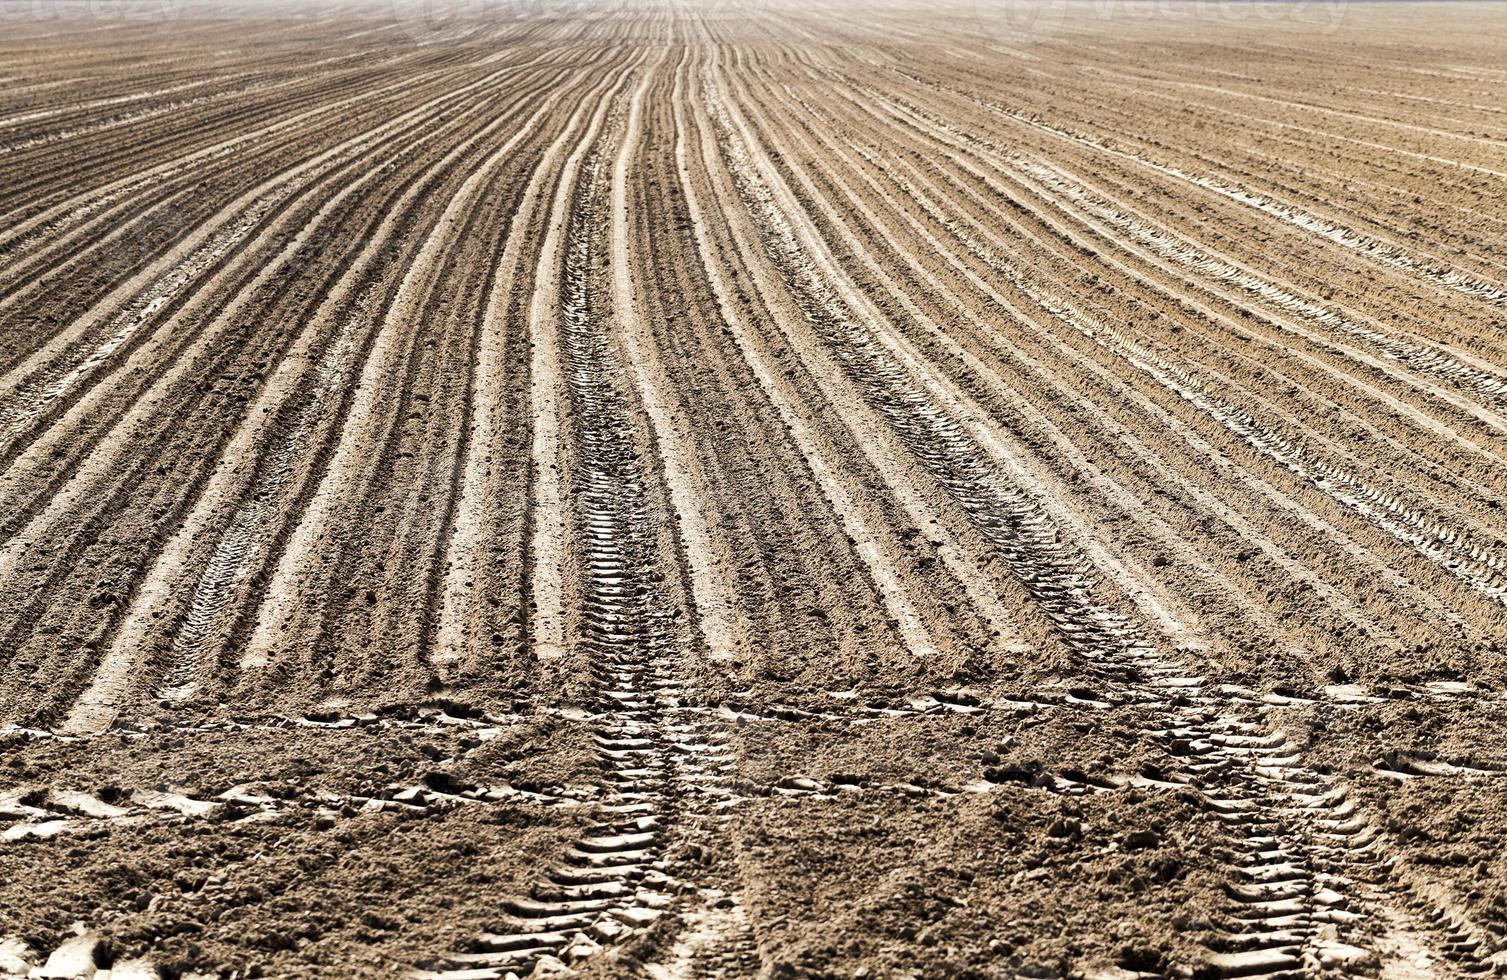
{"x": 687, "y": 490}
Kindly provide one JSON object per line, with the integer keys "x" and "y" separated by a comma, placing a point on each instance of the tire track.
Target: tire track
{"x": 1046, "y": 374}
{"x": 1157, "y": 607}
{"x": 991, "y": 258}
{"x": 1293, "y": 827}
{"x": 720, "y": 625}
{"x": 250, "y": 527}
{"x": 1067, "y": 237}
{"x": 1471, "y": 562}
{"x": 1477, "y": 566}
{"x": 989, "y": 255}
{"x": 617, "y": 879}
{"x": 988, "y": 338}
{"x": 459, "y": 590}
{"x": 547, "y": 534}
{"x": 1474, "y": 563}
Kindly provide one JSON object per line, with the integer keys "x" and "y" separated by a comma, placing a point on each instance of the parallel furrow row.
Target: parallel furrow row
{"x": 1299, "y": 848}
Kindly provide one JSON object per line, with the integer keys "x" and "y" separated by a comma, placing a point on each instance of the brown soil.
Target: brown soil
{"x": 754, "y": 490}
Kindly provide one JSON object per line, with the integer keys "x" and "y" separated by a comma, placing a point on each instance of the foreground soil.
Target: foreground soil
{"x": 715, "y": 491}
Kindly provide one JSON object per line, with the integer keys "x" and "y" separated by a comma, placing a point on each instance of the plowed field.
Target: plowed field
{"x": 673, "y": 490}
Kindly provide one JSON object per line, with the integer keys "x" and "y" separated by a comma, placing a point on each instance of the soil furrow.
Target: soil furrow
{"x": 1063, "y": 584}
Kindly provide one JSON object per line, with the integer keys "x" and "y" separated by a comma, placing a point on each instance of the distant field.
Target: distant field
{"x": 753, "y": 489}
